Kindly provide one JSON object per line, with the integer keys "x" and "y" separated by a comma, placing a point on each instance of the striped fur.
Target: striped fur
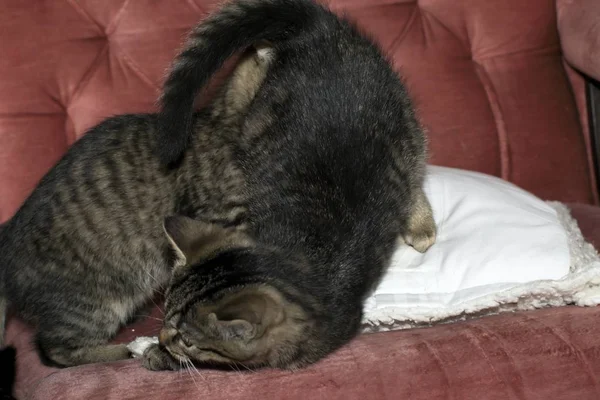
{"x": 87, "y": 250}
{"x": 333, "y": 159}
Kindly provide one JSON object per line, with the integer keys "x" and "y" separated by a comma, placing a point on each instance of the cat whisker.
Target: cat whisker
{"x": 187, "y": 369}
{"x": 160, "y": 309}
{"x": 149, "y": 317}
{"x": 237, "y": 369}
{"x": 189, "y": 366}
{"x": 157, "y": 306}
{"x": 196, "y": 370}
{"x": 248, "y": 368}
{"x": 160, "y": 285}
{"x": 162, "y": 312}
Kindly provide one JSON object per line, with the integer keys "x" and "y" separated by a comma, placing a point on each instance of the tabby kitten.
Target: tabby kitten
{"x": 333, "y": 161}
{"x": 87, "y": 249}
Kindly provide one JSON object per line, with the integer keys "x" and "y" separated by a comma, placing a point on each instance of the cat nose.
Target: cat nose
{"x": 166, "y": 335}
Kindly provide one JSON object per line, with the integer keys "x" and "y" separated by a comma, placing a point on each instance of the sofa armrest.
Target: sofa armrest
{"x": 579, "y": 29}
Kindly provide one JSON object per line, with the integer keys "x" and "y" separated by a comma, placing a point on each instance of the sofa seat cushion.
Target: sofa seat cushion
{"x": 532, "y": 355}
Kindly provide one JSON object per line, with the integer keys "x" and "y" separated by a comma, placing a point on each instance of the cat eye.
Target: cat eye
{"x": 185, "y": 341}
{"x": 215, "y": 352}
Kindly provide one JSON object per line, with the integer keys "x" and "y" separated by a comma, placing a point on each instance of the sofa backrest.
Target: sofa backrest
{"x": 487, "y": 78}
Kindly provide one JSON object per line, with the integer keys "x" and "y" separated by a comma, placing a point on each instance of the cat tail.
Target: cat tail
{"x": 236, "y": 26}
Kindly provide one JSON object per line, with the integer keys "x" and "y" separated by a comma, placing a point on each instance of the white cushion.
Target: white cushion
{"x": 492, "y": 236}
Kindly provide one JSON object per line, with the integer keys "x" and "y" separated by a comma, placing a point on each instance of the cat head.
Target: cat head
{"x": 243, "y": 321}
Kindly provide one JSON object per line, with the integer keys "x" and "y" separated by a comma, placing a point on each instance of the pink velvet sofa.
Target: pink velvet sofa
{"x": 493, "y": 86}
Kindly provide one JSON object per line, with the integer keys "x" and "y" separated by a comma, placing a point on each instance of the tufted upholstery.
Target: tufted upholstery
{"x": 493, "y": 91}
{"x": 487, "y": 77}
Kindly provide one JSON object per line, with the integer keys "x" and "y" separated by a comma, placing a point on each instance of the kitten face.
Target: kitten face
{"x": 201, "y": 339}
{"x": 251, "y": 327}
{"x": 251, "y": 324}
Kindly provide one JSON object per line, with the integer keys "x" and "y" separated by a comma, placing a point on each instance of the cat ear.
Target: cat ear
{"x": 239, "y": 329}
{"x": 182, "y": 233}
{"x": 245, "y": 314}
{"x": 194, "y": 240}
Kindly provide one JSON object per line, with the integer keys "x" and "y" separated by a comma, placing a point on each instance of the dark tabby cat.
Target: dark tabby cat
{"x": 87, "y": 248}
{"x": 334, "y": 161}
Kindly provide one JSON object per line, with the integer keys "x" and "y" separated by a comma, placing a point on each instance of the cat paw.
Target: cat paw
{"x": 156, "y": 358}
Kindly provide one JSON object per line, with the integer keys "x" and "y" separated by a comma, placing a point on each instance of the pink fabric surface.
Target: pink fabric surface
{"x": 487, "y": 78}
{"x": 546, "y": 354}
{"x": 579, "y": 27}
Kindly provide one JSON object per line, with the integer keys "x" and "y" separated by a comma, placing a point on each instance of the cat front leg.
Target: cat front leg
{"x": 64, "y": 341}
{"x": 156, "y": 358}
{"x": 64, "y": 356}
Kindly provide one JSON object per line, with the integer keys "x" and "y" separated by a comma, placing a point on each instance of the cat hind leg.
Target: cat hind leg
{"x": 422, "y": 231}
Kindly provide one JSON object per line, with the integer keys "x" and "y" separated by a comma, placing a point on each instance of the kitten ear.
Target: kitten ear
{"x": 235, "y": 329}
{"x": 245, "y": 314}
{"x": 182, "y": 232}
{"x": 194, "y": 240}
